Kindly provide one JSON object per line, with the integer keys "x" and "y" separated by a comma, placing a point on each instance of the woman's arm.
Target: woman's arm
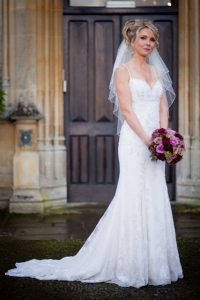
{"x": 163, "y": 113}
{"x": 123, "y": 92}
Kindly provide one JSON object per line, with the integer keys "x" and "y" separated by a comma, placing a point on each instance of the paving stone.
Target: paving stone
{"x": 78, "y": 225}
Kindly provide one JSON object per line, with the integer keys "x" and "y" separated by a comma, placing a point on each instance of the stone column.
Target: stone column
{"x": 7, "y": 147}
{"x": 188, "y": 171}
{"x": 51, "y": 141}
{"x": 26, "y": 196}
{"x": 32, "y": 73}
{"x": 5, "y": 79}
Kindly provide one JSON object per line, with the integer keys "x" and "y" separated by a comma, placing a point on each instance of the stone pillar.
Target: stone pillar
{"x": 26, "y": 196}
{"x": 5, "y": 79}
{"x": 32, "y": 73}
{"x": 188, "y": 171}
{"x": 6, "y": 140}
{"x": 51, "y": 141}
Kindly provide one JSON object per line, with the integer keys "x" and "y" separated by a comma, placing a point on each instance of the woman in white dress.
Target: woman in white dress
{"x": 134, "y": 243}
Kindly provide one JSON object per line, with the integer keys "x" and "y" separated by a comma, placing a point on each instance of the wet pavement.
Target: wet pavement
{"x": 79, "y": 222}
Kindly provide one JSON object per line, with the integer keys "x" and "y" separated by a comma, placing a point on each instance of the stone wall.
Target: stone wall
{"x": 188, "y": 171}
{"x": 32, "y": 73}
{"x": 0, "y": 41}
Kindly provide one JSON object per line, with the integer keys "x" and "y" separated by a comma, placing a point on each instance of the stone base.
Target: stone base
{"x": 183, "y": 200}
{"x": 54, "y": 196}
{"x": 188, "y": 191}
{"x": 26, "y": 201}
{"x": 5, "y": 194}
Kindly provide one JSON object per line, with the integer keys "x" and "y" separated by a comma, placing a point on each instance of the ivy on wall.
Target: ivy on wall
{"x": 2, "y": 101}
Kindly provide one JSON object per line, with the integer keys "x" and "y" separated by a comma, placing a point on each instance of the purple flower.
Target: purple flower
{"x": 174, "y": 142}
{"x": 160, "y": 148}
{"x": 170, "y": 131}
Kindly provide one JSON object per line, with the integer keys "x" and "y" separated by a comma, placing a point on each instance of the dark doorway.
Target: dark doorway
{"x": 91, "y": 40}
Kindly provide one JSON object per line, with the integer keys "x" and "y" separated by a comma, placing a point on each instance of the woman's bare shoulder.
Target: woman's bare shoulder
{"x": 121, "y": 67}
{"x": 153, "y": 69}
{"x": 122, "y": 70}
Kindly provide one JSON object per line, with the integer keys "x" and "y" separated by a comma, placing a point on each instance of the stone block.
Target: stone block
{"x": 188, "y": 191}
{"x": 26, "y": 169}
{"x": 27, "y": 208}
{"x": 26, "y": 200}
{"x": 54, "y": 196}
{"x": 7, "y": 148}
{"x": 5, "y": 194}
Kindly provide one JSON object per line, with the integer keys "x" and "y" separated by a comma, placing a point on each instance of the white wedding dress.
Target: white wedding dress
{"x": 134, "y": 243}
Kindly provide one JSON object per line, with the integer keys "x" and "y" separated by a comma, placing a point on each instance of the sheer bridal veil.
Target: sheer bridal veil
{"x": 159, "y": 72}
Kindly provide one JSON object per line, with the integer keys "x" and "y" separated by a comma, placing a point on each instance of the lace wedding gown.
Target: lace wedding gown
{"x": 134, "y": 243}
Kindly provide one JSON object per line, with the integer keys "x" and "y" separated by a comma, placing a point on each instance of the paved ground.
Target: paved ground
{"x": 62, "y": 234}
{"x": 13, "y": 288}
{"x": 79, "y": 223}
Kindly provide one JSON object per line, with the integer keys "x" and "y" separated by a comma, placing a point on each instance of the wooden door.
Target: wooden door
{"x": 90, "y": 46}
{"x": 91, "y": 43}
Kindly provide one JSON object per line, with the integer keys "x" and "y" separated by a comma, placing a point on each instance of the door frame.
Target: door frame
{"x": 121, "y": 11}
{"x": 140, "y": 11}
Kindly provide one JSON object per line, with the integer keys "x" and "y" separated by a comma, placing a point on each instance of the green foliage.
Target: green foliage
{"x": 2, "y": 101}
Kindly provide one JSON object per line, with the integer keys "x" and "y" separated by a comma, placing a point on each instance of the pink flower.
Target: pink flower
{"x": 181, "y": 151}
{"x": 158, "y": 140}
{"x": 175, "y": 150}
{"x": 170, "y": 131}
{"x": 169, "y": 159}
{"x": 160, "y": 148}
{"x": 174, "y": 142}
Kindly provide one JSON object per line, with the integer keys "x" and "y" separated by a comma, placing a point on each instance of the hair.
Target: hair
{"x": 132, "y": 28}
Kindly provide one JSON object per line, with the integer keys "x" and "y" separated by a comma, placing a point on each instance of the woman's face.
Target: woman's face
{"x": 144, "y": 43}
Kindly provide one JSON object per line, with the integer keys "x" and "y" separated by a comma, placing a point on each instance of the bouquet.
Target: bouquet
{"x": 167, "y": 145}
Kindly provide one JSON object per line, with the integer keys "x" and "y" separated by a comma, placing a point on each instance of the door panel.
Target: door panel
{"x": 103, "y": 42}
{"x": 79, "y": 160}
{"x": 91, "y": 43}
{"x": 90, "y": 46}
{"x": 78, "y": 71}
{"x": 104, "y": 146}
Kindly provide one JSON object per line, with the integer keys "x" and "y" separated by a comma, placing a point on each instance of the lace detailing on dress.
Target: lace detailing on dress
{"x": 134, "y": 243}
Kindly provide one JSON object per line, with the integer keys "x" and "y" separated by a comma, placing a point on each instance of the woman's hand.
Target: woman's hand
{"x": 148, "y": 142}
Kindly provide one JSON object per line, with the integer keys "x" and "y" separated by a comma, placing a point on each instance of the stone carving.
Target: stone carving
{"x": 25, "y": 138}
{"x": 29, "y": 111}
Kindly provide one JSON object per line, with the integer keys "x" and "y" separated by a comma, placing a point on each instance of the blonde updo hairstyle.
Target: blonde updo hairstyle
{"x": 132, "y": 28}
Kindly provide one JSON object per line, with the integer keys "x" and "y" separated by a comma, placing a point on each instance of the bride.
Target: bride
{"x": 134, "y": 243}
